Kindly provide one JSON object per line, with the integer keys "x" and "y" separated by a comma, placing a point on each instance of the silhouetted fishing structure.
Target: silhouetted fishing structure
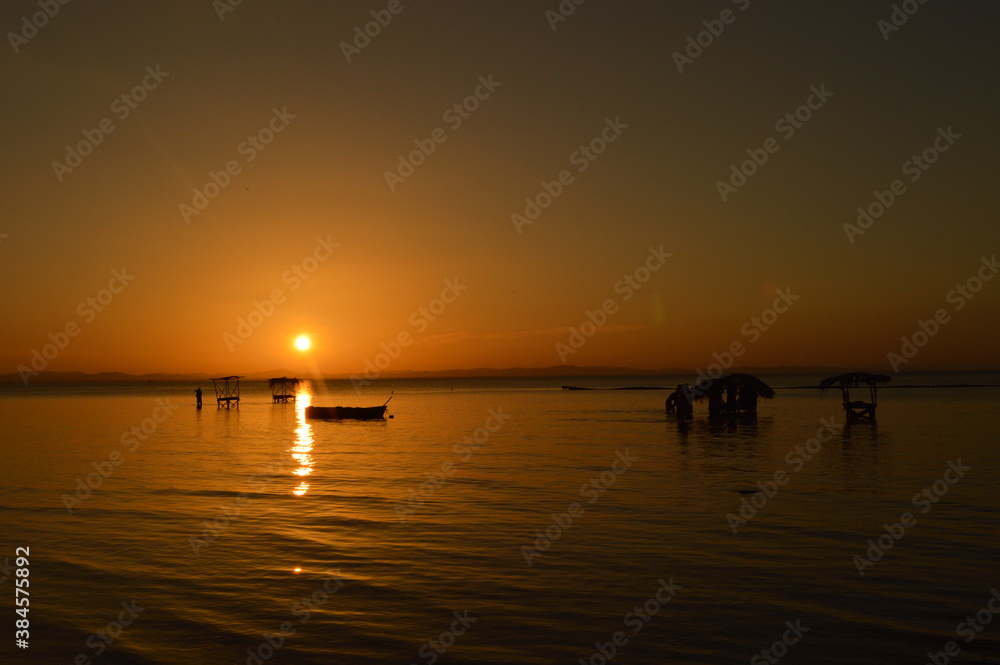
{"x": 856, "y": 410}
{"x": 283, "y": 389}
{"x": 227, "y": 390}
{"x": 734, "y": 395}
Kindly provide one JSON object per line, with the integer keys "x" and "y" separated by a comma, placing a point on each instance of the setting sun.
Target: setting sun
{"x": 302, "y": 343}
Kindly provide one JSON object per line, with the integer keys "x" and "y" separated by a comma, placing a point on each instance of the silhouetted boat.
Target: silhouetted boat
{"x": 346, "y": 412}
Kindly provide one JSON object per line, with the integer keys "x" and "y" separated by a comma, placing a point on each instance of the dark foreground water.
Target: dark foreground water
{"x": 254, "y": 536}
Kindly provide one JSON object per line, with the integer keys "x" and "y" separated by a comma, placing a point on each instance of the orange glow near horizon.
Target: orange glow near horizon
{"x": 172, "y": 250}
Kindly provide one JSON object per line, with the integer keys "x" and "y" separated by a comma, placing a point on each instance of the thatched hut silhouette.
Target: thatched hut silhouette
{"x": 734, "y": 395}
{"x": 283, "y": 388}
{"x": 856, "y": 409}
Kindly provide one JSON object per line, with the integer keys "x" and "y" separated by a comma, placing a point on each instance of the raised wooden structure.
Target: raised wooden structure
{"x": 856, "y": 410}
{"x": 735, "y": 395}
{"x": 283, "y": 389}
{"x": 227, "y": 391}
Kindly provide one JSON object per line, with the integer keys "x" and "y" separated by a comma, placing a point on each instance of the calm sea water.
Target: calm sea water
{"x": 364, "y": 541}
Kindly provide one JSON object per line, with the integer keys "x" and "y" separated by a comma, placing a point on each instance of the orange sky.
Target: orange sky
{"x": 308, "y": 139}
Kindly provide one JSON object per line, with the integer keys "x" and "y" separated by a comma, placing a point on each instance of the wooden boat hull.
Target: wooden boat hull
{"x": 346, "y": 412}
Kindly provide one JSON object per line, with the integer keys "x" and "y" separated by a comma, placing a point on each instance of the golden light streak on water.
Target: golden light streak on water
{"x": 304, "y": 439}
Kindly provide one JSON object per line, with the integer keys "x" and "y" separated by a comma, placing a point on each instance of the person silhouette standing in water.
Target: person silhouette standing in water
{"x": 679, "y": 402}
{"x": 685, "y": 405}
{"x": 197, "y": 396}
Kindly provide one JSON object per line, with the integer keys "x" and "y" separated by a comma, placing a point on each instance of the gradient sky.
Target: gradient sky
{"x": 656, "y": 184}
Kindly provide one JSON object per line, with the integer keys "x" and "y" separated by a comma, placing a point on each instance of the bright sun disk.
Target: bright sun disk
{"x": 302, "y": 343}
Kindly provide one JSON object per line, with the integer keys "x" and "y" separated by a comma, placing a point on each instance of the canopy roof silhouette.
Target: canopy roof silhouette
{"x": 284, "y": 380}
{"x": 746, "y": 382}
{"x": 852, "y": 380}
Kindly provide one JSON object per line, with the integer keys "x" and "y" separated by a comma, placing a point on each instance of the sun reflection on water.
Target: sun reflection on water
{"x": 301, "y": 451}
